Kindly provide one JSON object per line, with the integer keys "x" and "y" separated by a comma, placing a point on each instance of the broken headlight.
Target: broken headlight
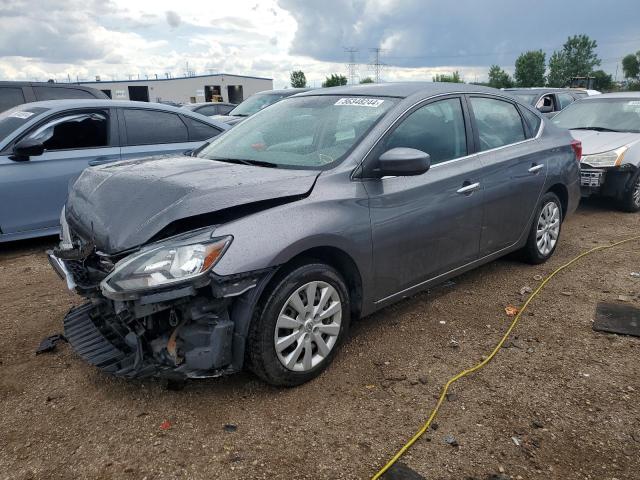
{"x": 165, "y": 264}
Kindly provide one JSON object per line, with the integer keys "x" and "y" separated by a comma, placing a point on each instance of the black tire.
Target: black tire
{"x": 261, "y": 351}
{"x": 630, "y": 201}
{"x": 531, "y": 253}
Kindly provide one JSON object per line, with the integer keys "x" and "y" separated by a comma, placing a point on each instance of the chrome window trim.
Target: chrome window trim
{"x": 425, "y": 100}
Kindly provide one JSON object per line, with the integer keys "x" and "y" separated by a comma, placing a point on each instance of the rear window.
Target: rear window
{"x": 200, "y": 131}
{"x": 14, "y": 118}
{"x": 59, "y": 93}
{"x": 10, "y": 97}
{"x": 148, "y": 127}
{"x": 532, "y": 120}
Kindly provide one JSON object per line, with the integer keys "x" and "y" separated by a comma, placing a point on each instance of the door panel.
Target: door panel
{"x": 422, "y": 226}
{"x": 514, "y": 171}
{"x": 513, "y": 178}
{"x": 33, "y": 192}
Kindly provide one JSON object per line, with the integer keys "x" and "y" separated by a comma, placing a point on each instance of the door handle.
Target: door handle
{"x": 535, "y": 168}
{"x": 468, "y": 188}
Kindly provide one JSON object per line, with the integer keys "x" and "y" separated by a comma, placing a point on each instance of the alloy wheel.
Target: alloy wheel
{"x": 548, "y": 228}
{"x": 308, "y": 326}
{"x": 636, "y": 192}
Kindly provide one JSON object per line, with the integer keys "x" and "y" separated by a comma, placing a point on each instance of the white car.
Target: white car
{"x": 608, "y": 125}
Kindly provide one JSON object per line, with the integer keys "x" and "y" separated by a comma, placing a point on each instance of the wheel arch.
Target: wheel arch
{"x": 561, "y": 191}
{"x": 334, "y": 257}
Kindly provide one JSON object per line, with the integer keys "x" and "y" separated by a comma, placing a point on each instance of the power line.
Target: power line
{"x": 375, "y": 65}
{"x": 352, "y": 65}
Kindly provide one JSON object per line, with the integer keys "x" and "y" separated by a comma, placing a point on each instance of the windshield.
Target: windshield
{"x": 606, "y": 114}
{"x": 529, "y": 98}
{"x": 15, "y": 117}
{"x": 256, "y": 103}
{"x": 300, "y": 132}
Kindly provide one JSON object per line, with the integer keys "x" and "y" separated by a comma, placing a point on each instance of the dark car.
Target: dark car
{"x": 255, "y": 103}
{"x": 210, "y": 109}
{"x": 548, "y": 101}
{"x": 17, "y": 93}
{"x": 43, "y": 145}
{"x": 324, "y": 207}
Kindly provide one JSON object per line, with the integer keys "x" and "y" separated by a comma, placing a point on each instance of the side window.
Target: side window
{"x": 10, "y": 97}
{"x": 207, "y": 110}
{"x": 57, "y": 93}
{"x": 146, "y": 127}
{"x": 437, "y": 129}
{"x": 498, "y": 122}
{"x": 532, "y": 120}
{"x": 76, "y": 131}
{"x": 225, "y": 109}
{"x": 200, "y": 131}
{"x": 547, "y": 103}
{"x": 565, "y": 100}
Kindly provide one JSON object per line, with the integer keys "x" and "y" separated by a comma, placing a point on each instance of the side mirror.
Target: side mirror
{"x": 26, "y": 148}
{"x": 545, "y": 109}
{"x": 402, "y": 162}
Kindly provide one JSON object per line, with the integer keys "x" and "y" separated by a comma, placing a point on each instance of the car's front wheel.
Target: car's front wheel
{"x": 301, "y": 323}
{"x": 545, "y": 230}
{"x": 631, "y": 198}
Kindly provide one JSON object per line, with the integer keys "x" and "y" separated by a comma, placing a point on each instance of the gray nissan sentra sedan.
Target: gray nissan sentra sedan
{"x": 322, "y": 208}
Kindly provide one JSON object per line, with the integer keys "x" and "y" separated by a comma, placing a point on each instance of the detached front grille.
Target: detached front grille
{"x": 96, "y": 348}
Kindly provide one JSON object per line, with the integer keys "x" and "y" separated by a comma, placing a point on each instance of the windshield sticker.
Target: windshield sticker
{"x": 634, "y": 103}
{"x": 360, "y": 102}
{"x": 21, "y": 114}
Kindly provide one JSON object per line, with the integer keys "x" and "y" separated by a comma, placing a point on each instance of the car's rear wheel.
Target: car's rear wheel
{"x": 545, "y": 230}
{"x": 297, "y": 330}
{"x": 631, "y": 198}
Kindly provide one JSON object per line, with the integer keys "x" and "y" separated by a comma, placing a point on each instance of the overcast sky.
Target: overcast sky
{"x": 42, "y": 39}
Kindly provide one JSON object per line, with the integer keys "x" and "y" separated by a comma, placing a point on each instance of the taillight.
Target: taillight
{"x": 577, "y": 148}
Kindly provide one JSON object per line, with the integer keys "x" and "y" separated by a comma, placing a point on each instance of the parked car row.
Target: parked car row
{"x": 327, "y": 206}
{"x": 258, "y": 248}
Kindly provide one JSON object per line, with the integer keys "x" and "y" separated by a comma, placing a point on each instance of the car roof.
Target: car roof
{"x": 285, "y": 91}
{"x": 202, "y": 104}
{"x": 402, "y": 89}
{"x": 11, "y": 83}
{"x": 542, "y": 89}
{"x": 57, "y": 105}
{"x": 620, "y": 95}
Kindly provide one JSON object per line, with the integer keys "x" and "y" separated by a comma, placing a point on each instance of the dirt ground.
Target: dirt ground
{"x": 561, "y": 401}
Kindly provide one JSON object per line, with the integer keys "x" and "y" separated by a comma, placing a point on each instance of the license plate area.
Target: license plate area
{"x": 591, "y": 177}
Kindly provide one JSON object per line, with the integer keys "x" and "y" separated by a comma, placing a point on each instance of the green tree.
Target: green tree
{"x": 631, "y": 65}
{"x": 576, "y": 59}
{"x": 498, "y": 78}
{"x": 445, "y": 77}
{"x": 298, "y": 79}
{"x": 335, "y": 80}
{"x": 530, "y": 67}
{"x": 557, "y": 76}
{"x": 367, "y": 80}
{"x": 603, "y": 80}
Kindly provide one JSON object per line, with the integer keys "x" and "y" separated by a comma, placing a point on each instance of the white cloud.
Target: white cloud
{"x": 42, "y": 39}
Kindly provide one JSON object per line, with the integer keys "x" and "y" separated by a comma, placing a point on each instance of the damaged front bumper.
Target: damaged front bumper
{"x": 193, "y": 329}
{"x": 606, "y": 181}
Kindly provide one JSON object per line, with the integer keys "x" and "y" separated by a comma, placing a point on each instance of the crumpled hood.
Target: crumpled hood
{"x": 598, "y": 142}
{"x": 123, "y": 205}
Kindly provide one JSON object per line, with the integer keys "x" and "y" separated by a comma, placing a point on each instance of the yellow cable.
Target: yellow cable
{"x": 478, "y": 366}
